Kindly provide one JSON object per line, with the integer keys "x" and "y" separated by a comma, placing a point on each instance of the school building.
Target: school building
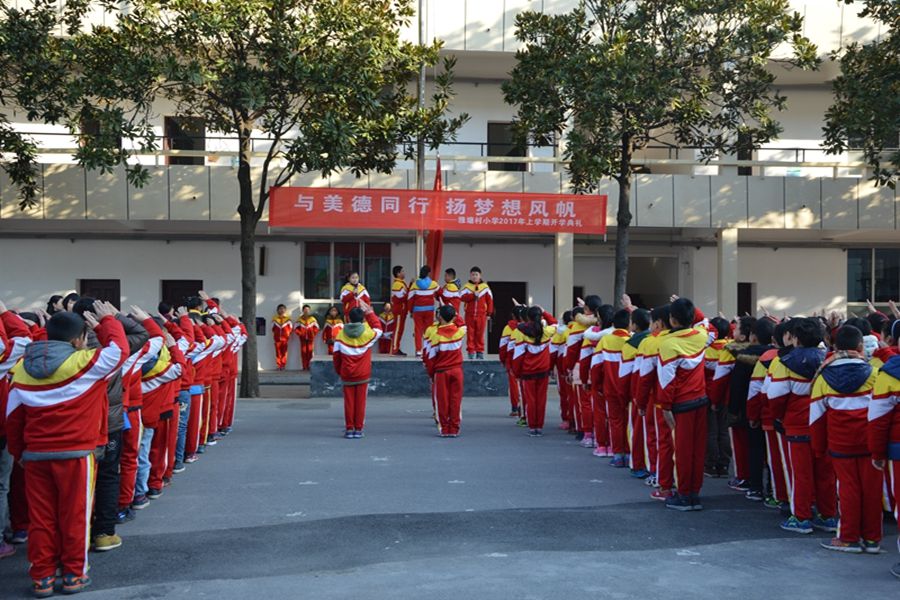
{"x": 794, "y": 231}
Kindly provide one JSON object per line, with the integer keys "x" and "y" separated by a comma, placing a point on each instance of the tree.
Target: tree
{"x": 325, "y": 82}
{"x": 866, "y": 109}
{"x": 615, "y": 75}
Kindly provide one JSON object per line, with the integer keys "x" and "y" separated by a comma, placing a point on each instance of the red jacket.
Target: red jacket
{"x": 14, "y": 338}
{"x": 682, "y": 383}
{"x": 57, "y": 401}
{"x": 607, "y": 360}
{"x": 884, "y": 413}
{"x": 839, "y": 411}
{"x": 353, "y": 350}
{"x": 156, "y": 383}
{"x": 479, "y": 300}
{"x": 789, "y": 390}
{"x": 445, "y": 348}
{"x": 531, "y": 357}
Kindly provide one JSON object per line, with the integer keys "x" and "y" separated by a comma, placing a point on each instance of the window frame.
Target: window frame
{"x": 333, "y": 277}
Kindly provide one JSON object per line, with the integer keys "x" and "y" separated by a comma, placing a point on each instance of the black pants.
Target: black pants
{"x": 718, "y": 443}
{"x": 106, "y": 493}
{"x": 757, "y": 458}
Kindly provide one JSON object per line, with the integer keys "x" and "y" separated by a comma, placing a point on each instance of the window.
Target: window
{"x": 859, "y": 275}
{"x": 92, "y": 129}
{"x": 745, "y": 152}
{"x": 185, "y": 133}
{"x": 887, "y": 275}
{"x": 872, "y": 274}
{"x": 108, "y": 290}
{"x": 176, "y": 291}
{"x": 325, "y": 265}
{"x": 501, "y": 143}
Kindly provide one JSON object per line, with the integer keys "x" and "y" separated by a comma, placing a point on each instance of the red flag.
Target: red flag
{"x": 434, "y": 239}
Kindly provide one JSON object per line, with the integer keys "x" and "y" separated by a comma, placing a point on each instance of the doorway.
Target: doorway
{"x": 746, "y": 299}
{"x": 107, "y": 290}
{"x": 504, "y": 292}
{"x": 174, "y": 292}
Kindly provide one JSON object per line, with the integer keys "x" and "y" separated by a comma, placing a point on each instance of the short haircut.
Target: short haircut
{"x": 475, "y": 270}
{"x": 781, "y": 329}
{"x": 593, "y": 302}
{"x": 862, "y": 324}
{"x": 763, "y": 330}
{"x": 747, "y": 325}
{"x": 640, "y": 317}
{"x": 809, "y": 332}
{"x": 65, "y": 327}
{"x": 83, "y": 305}
{"x": 424, "y": 272}
{"x": 605, "y": 315}
{"x": 567, "y": 317}
{"x": 193, "y": 302}
{"x": 216, "y": 300}
{"x": 356, "y": 315}
{"x": 848, "y": 337}
{"x": 721, "y": 326}
{"x": 281, "y": 306}
{"x": 621, "y": 319}
{"x": 164, "y": 308}
{"x": 447, "y": 313}
{"x": 661, "y": 313}
{"x": 396, "y": 270}
{"x": 876, "y": 321}
{"x": 306, "y": 306}
{"x": 578, "y": 310}
{"x": 682, "y": 311}
{"x": 71, "y": 296}
{"x": 451, "y": 272}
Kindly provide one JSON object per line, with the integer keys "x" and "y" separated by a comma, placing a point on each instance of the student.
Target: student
{"x": 606, "y": 374}
{"x": 838, "y": 420}
{"x": 400, "y": 303}
{"x": 388, "y": 325}
{"x": 479, "y": 308}
{"x": 630, "y": 372}
{"x": 659, "y": 435}
{"x": 759, "y": 415}
{"x": 683, "y": 401}
{"x": 593, "y": 376}
{"x": 426, "y": 357}
{"x": 506, "y": 357}
{"x": 282, "y": 326}
{"x": 307, "y": 329}
{"x": 884, "y": 424}
{"x": 789, "y": 395}
{"x": 56, "y": 419}
{"x": 181, "y": 328}
{"x": 532, "y": 364}
{"x": 574, "y": 342}
{"x": 421, "y": 296}
{"x": 333, "y": 324}
{"x": 353, "y": 364}
{"x": 445, "y": 367}
{"x": 353, "y": 293}
{"x": 450, "y": 292}
{"x": 557, "y": 356}
{"x": 718, "y": 443}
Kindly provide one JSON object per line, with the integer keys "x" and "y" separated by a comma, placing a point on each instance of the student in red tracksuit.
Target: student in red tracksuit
{"x": 630, "y": 373}
{"x": 240, "y": 333}
{"x": 399, "y": 300}
{"x": 307, "y": 329}
{"x": 788, "y": 394}
{"x": 479, "y": 308}
{"x": 353, "y": 364}
{"x": 506, "y": 343}
{"x": 159, "y": 385}
{"x": 200, "y": 357}
{"x": 884, "y": 424}
{"x": 593, "y": 375}
{"x": 282, "y": 326}
{"x": 563, "y": 387}
{"x": 388, "y": 325}
{"x": 606, "y": 370}
{"x": 718, "y": 442}
{"x": 660, "y": 442}
{"x": 57, "y": 416}
{"x": 333, "y": 324}
{"x": 532, "y": 364}
{"x": 353, "y": 293}
{"x": 445, "y": 367}
{"x": 451, "y": 293}
{"x": 422, "y": 294}
{"x": 682, "y": 399}
{"x": 581, "y": 402}
{"x": 838, "y": 420}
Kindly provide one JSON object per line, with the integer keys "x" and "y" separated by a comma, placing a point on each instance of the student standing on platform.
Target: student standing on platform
{"x": 353, "y": 293}
{"x": 400, "y": 303}
{"x": 388, "y": 325}
{"x": 451, "y": 292}
{"x": 445, "y": 367}
{"x": 422, "y": 295}
{"x": 532, "y": 365}
{"x": 307, "y": 330}
{"x": 479, "y": 308}
{"x": 353, "y": 364}
{"x": 333, "y": 324}
{"x": 281, "y": 335}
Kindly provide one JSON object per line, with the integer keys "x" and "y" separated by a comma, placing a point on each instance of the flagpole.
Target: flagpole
{"x": 420, "y": 141}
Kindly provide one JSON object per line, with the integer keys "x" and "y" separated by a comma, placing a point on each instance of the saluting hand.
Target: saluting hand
{"x": 139, "y": 313}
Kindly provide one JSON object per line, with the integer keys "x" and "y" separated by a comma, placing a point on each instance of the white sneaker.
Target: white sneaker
{"x": 598, "y": 452}
{"x": 588, "y": 441}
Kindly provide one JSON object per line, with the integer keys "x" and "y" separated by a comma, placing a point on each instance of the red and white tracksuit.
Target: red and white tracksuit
{"x": 307, "y": 329}
{"x": 581, "y": 400}
{"x": 607, "y": 372}
{"x": 479, "y": 307}
{"x": 388, "y": 325}
{"x": 884, "y": 426}
{"x": 400, "y": 307}
{"x": 282, "y": 326}
{"x": 353, "y": 363}
{"x": 506, "y": 356}
{"x": 532, "y": 365}
{"x": 444, "y": 365}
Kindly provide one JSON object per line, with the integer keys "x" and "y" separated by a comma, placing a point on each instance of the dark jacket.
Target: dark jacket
{"x": 137, "y": 336}
{"x": 746, "y": 357}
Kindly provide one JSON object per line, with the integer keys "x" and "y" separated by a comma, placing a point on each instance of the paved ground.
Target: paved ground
{"x": 286, "y": 508}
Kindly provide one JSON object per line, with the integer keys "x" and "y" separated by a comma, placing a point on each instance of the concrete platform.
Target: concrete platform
{"x": 406, "y": 378}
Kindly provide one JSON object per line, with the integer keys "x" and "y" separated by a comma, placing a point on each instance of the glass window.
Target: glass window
{"x": 887, "y": 274}
{"x": 501, "y": 143}
{"x": 859, "y": 275}
{"x": 346, "y": 261}
{"x": 377, "y": 276}
{"x": 316, "y": 270}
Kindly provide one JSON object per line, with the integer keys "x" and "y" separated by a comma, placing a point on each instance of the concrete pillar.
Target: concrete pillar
{"x": 564, "y": 272}
{"x": 727, "y": 270}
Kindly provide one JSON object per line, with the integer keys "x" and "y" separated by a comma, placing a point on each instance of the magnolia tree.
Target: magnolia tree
{"x": 615, "y": 75}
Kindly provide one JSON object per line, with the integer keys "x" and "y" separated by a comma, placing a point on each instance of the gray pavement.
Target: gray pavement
{"x": 286, "y": 508}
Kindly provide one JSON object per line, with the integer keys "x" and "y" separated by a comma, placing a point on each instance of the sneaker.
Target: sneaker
{"x": 471, "y": 355}
{"x": 579, "y": 435}
{"x": 419, "y": 354}
{"x": 43, "y": 588}
{"x": 358, "y": 435}
{"x": 587, "y": 441}
{"x": 154, "y": 493}
{"x": 191, "y": 459}
{"x": 870, "y": 547}
{"x": 140, "y": 502}
{"x": 679, "y": 503}
{"x": 399, "y": 353}
{"x": 125, "y": 515}
{"x": 839, "y": 545}
{"x": 535, "y": 432}
{"x": 179, "y": 468}
{"x": 514, "y": 413}
{"x": 739, "y": 485}
{"x": 722, "y": 471}
{"x": 349, "y": 434}
{"x": 651, "y": 481}
{"x": 6, "y": 550}
{"x": 104, "y": 543}
{"x": 19, "y": 536}
{"x": 618, "y": 462}
{"x": 211, "y": 441}
{"x": 711, "y": 472}
{"x": 201, "y": 449}
{"x": 605, "y": 451}
{"x": 640, "y": 473}
{"x": 661, "y": 495}
{"x": 479, "y": 355}
{"x": 564, "y": 425}
{"x": 167, "y": 481}
{"x": 695, "y": 502}
{"x": 797, "y": 526}
{"x": 72, "y": 584}
{"x": 829, "y": 525}
{"x": 754, "y": 496}
{"x": 895, "y": 570}
{"x": 771, "y": 502}
{"x": 599, "y": 452}
{"x": 452, "y": 435}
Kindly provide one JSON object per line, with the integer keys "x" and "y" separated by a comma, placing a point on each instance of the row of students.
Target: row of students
{"x": 100, "y": 409}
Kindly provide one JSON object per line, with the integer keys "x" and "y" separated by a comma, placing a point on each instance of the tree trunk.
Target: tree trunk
{"x": 246, "y": 209}
{"x": 623, "y": 221}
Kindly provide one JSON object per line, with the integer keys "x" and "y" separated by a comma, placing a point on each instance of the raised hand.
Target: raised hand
{"x": 626, "y": 303}
{"x": 894, "y": 310}
{"x": 203, "y": 295}
{"x": 181, "y": 311}
{"x": 103, "y": 309}
{"x": 139, "y": 313}
{"x": 673, "y": 297}
{"x": 90, "y": 319}
{"x": 170, "y": 341}
{"x": 580, "y": 302}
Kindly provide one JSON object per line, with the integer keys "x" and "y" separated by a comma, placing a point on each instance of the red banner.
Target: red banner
{"x": 357, "y": 208}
